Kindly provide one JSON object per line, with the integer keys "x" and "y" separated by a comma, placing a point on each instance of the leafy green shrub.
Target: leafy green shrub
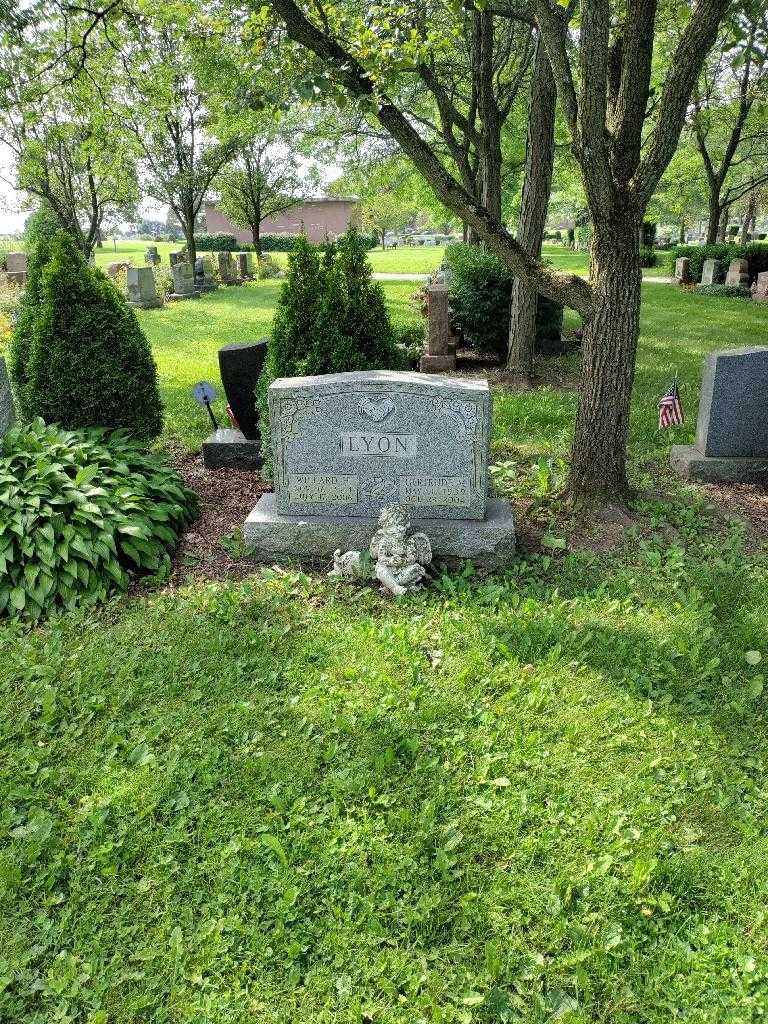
{"x": 88, "y": 363}
{"x": 80, "y": 512}
{"x": 648, "y": 236}
{"x": 219, "y": 241}
{"x": 331, "y": 317}
{"x": 724, "y": 291}
{"x": 409, "y": 343}
{"x": 480, "y": 290}
{"x": 756, "y": 253}
{"x": 648, "y": 257}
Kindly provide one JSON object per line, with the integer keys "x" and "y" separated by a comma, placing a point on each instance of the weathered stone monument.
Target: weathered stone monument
{"x": 113, "y": 269}
{"x": 682, "y": 275}
{"x": 347, "y": 445}
{"x": 183, "y": 282}
{"x": 142, "y": 291}
{"x": 440, "y": 347}
{"x": 176, "y": 257}
{"x": 732, "y": 428}
{"x": 760, "y": 288}
{"x": 226, "y": 268}
{"x": 711, "y": 272}
{"x": 238, "y": 447}
{"x": 16, "y": 267}
{"x": 204, "y": 279}
{"x": 151, "y": 255}
{"x": 7, "y": 411}
{"x": 738, "y": 274}
{"x": 244, "y": 263}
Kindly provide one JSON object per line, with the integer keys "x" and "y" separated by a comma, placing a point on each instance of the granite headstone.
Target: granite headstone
{"x": 204, "y": 279}
{"x": 760, "y": 289}
{"x": 141, "y": 288}
{"x": 682, "y": 273}
{"x": 711, "y": 272}
{"x": 732, "y": 427}
{"x": 738, "y": 274}
{"x": 226, "y": 268}
{"x": 440, "y": 348}
{"x": 183, "y": 281}
{"x": 346, "y": 445}
{"x": 240, "y": 365}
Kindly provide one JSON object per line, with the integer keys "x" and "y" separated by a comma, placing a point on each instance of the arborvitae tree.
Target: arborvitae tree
{"x": 333, "y": 350}
{"x": 41, "y": 228}
{"x": 89, "y": 364}
{"x": 365, "y": 321}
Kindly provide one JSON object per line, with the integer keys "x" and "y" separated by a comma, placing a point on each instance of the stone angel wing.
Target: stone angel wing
{"x": 422, "y": 548}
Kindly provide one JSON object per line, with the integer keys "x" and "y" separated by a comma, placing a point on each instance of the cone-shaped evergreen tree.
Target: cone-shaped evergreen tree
{"x": 42, "y": 228}
{"x": 89, "y": 364}
{"x": 365, "y": 320}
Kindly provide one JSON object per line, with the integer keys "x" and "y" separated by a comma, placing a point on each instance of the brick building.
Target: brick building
{"x": 318, "y": 218}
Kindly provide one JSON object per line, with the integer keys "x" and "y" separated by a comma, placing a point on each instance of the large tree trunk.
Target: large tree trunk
{"x": 722, "y": 229}
{"x": 539, "y": 160}
{"x": 713, "y": 224}
{"x": 681, "y": 234}
{"x": 749, "y": 219}
{"x": 599, "y": 453}
{"x": 256, "y": 232}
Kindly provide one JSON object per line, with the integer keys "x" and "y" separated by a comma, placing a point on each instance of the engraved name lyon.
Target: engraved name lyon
{"x": 375, "y": 445}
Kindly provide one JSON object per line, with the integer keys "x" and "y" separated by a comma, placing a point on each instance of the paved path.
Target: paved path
{"x": 423, "y": 277}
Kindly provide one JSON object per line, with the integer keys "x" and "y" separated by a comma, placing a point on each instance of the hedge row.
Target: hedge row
{"x": 220, "y": 241}
{"x": 755, "y": 252}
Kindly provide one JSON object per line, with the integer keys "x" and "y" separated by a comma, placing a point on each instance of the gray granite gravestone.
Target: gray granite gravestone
{"x": 16, "y": 267}
{"x": 760, "y": 289}
{"x": 151, "y": 255}
{"x": 712, "y": 272}
{"x": 239, "y": 447}
{"x": 176, "y": 257}
{"x": 440, "y": 349}
{"x": 141, "y": 288}
{"x": 682, "y": 271}
{"x": 732, "y": 427}
{"x": 204, "y": 279}
{"x": 244, "y": 268}
{"x": 738, "y": 274}
{"x": 183, "y": 281}
{"x": 345, "y": 445}
{"x": 7, "y": 412}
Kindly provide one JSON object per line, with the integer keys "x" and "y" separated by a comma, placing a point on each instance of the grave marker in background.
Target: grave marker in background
{"x": 142, "y": 291}
{"x": 732, "y": 427}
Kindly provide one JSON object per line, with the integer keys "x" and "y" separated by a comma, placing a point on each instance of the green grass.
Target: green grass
{"x": 131, "y": 251}
{"x": 529, "y": 798}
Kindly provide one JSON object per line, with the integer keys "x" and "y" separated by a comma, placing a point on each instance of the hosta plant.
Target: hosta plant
{"x": 80, "y": 512}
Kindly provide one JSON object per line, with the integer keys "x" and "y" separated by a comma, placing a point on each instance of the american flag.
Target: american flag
{"x": 671, "y": 409}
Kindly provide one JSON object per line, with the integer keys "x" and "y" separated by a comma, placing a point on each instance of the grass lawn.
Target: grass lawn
{"x": 532, "y": 797}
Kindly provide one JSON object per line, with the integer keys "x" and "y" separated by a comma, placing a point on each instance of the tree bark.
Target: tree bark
{"x": 722, "y": 229}
{"x": 598, "y": 456}
{"x": 681, "y": 235}
{"x": 749, "y": 219}
{"x": 713, "y": 223}
{"x": 539, "y": 162}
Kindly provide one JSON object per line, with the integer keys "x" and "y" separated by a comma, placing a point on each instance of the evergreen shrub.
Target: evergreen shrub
{"x": 81, "y": 512}
{"x": 331, "y": 317}
{"x": 648, "y": 257}
{"x": 480, "y": 292}
{"x": 724, "y": 291}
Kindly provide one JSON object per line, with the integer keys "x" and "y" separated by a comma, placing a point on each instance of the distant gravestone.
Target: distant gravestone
{"x": 760, "y": 290}
{"x": 738, "y": 274}
{"x": 244, "y": 269}
{"x": 16, "y": 267}
{"x": 240, "y": 365}
{"x": 176, "y": 257}
{"x": 113, "y": 269}
{"x": 183, "y": 282}
{"x": 7, "y": 412}
{"x": 204, "y": 279}
{"x": 732, "y": 427}
{"x": 142, "y": 291}
{"x": 226, "y": 268}
{"x": 440, "y": 348}
{"x": 347, "y": 445}
{"x": 682, "y": 271}
{"x": 151, "y": 255}
{"x": 711, "y": 273}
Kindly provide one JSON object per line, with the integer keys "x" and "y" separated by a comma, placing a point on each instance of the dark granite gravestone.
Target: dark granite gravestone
{"x": 732, "y": 428}
{"x": 240, "y": 365}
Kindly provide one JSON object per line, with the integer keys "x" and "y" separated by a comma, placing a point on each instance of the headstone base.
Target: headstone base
{"x": 273, "y": 537}
{"x": 436, "y": 364}
{"x": 689, "y": 462}
{"x": 149, "y": 304}
{"x": 176, "y": 296}
{"x": 230, "y": 449}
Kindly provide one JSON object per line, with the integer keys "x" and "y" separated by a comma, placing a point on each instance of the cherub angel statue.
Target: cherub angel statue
{"x": 398, "y": 557}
